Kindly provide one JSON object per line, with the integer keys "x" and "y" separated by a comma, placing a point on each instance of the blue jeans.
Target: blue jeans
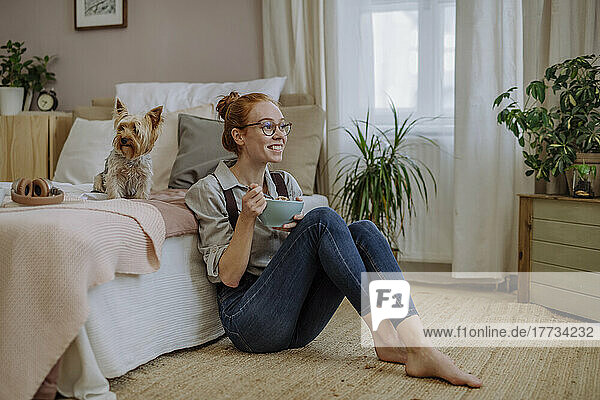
{"x": 318, "y": 264}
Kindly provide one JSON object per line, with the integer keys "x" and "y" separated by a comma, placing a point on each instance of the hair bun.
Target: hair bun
{"x": 225, "y": 102}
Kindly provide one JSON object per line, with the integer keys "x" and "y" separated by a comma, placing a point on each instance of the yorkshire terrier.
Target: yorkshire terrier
{"x": 128, "y": 168}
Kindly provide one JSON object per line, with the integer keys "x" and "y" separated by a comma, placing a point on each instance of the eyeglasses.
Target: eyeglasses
{"x": 268, "y": 127}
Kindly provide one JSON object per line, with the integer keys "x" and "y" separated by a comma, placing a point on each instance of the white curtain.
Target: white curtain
{"x": 429, "y": 234}
{"x": 349, "y": 92}
{"x": 558, "y": 29}
{"x": 489, "y": 170}
{"x": 295, "y": 35}
{"x": 307, "y": 41}
{"x": 553, "y": 31}
{"x": 293, "y": 42}
{"x": 480, "y": 224}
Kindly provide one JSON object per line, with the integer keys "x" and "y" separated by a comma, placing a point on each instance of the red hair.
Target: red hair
{"x": 234, "y": 110}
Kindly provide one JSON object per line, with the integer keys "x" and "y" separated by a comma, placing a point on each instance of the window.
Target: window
{"x": 413, "y": 58}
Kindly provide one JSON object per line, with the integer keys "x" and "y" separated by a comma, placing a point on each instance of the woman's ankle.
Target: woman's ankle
{"x": 392, "y": 354}
{"x": 410, "y": 331}
{"x": 386, "y": 336}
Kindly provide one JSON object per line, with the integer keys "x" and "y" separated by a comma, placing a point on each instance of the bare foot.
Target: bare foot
{"x": 388, "y": 346}
{"x": 428, "y": 362}
{"x": 392, "y": 354}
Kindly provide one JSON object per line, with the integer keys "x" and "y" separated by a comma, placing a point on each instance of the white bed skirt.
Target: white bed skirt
{"x": 134, "y": 319}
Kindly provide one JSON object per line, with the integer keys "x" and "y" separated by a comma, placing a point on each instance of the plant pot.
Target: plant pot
{"x": 589, "y": 159}
{"x": 11, "y": 100}
{"x": 557, "y": 185}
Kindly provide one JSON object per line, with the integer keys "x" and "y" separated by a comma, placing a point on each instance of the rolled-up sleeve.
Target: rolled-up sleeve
{"x": 293, "y": 187}
{"x": 207, "y": 202}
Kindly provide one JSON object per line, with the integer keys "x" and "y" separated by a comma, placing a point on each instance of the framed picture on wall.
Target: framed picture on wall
{"x": 100, "y": 14}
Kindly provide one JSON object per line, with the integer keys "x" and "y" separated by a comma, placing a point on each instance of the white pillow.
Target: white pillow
{"x": 84, "y": 152}
{"x": 140, "y": 97}
{"x": 90, "y": 142}
{"x": 165, "y": 149}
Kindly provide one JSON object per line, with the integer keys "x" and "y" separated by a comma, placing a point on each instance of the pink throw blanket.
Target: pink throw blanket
{"x": 49, "y": 257}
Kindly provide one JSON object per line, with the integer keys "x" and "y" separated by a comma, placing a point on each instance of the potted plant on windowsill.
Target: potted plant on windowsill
{"x": 21, "y": 77}
{"x": 562, "y": 135}
{"x": 381, "y": 182}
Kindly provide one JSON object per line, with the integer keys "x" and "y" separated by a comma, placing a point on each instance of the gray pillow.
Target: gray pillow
{"x": 303, "y": 147}
{"x": 200, "y": 150}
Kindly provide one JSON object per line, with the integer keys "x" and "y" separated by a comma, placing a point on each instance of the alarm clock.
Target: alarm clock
{"x": 47, "y": 100}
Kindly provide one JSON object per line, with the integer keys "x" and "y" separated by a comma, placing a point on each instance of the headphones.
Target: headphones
{"x": 39, "y": 187}
{"x": 36, "y": 192}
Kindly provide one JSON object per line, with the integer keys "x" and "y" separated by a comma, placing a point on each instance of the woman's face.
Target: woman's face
{"x": 254, "y": 143}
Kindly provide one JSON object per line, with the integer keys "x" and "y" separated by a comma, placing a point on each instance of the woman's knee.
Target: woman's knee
{"x": 323, "y": 214}
{"x": 363, "y": 227}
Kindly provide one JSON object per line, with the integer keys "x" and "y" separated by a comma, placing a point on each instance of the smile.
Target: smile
{"x": 276, "y": 147}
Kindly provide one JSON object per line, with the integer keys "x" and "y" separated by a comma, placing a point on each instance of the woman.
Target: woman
{"x": 277, "y": 288}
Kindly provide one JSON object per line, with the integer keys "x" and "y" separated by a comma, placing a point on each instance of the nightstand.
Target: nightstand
{"x": 559, "y": 253}
{"x": 30, "y": 143}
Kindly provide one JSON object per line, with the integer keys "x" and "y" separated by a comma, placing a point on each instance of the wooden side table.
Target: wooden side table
{"x": 560, "y": 236}
{"x": 30, "y": 143}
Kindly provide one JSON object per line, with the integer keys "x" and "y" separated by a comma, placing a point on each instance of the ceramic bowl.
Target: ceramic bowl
{"x": 279, "y": 212}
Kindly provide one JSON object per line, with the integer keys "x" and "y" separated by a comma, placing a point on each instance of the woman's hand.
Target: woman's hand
{"x": 291, "y": 225}
{"x": 253, "y": 202}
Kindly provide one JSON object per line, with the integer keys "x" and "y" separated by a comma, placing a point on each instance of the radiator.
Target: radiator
{"x": 428, "y": 235}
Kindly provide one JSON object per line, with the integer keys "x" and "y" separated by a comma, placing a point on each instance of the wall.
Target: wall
{"x": 176, "y": 40}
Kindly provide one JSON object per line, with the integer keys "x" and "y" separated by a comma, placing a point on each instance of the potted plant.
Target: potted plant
{"x": 20, "y": 77}
{"x": 380, "y": 183}
{"x": 583, "y": 176}
{"x": 561, "y": 135}
{"x": 38, "y": 77}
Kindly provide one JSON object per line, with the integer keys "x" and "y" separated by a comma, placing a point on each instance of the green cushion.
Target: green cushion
{"x": 200, "y": 150}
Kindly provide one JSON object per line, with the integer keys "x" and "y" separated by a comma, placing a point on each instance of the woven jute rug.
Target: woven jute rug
{"x": 335, "y": 365}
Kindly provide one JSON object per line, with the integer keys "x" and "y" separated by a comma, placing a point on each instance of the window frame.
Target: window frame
{"x": 430, "y": 62}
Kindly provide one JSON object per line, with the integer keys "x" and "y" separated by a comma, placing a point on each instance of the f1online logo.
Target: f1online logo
{"x": 389, "y": 299}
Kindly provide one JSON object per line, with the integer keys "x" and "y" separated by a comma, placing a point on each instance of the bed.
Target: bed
{"x": 132, "y": 319}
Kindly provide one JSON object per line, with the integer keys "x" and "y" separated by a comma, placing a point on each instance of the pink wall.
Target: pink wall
{"x": 165, "y": 40}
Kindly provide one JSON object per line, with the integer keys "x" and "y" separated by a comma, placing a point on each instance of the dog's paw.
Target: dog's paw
{"x": 98, "y": 183}
{"x": 142, "y": 196}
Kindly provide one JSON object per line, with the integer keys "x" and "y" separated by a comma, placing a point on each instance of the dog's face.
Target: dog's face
{"x": 135, "y": 134}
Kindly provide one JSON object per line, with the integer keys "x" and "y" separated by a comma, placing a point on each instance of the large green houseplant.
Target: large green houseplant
{"x": 20, "y": 77}
{"x": 381, "y": 181}
{"x": 554, "y": 137}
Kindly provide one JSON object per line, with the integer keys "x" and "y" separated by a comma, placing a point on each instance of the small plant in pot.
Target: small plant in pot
{"x": 556, "y": 137}
{"x": 38, "y": 77}
{"x": 20, "y": 77}
{"x": 583, "y": 176}
{"x": 381, "y": 182}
